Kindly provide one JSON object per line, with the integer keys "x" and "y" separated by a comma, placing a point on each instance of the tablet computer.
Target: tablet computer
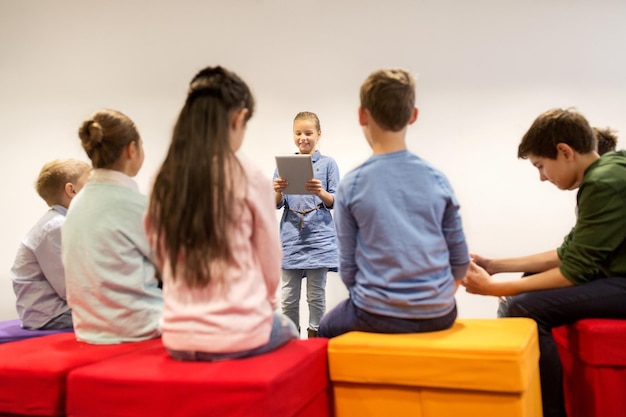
{"x": 296, "y": 169}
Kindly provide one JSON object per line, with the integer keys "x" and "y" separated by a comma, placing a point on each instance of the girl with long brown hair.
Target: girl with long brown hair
{"x": 212, "y": 225}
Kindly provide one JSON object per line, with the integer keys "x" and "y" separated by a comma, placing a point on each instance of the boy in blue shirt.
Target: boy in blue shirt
{"x": 401, "y": 243}
{"x": 38, "y": 275}
{"x": 584, "y": 277}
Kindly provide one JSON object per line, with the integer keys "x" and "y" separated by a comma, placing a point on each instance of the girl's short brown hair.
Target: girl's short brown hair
{"x": 105, "y": 134}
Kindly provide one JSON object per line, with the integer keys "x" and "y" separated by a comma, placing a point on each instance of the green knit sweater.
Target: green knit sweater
{"x": 596, "y": 246}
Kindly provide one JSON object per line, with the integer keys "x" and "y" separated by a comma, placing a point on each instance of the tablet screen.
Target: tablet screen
{"x": 296, "y": 169}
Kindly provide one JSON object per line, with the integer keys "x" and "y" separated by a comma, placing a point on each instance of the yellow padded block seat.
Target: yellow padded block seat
{"x": 478, "y": 367}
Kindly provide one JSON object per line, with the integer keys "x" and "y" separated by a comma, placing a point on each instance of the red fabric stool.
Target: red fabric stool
{"x": 33, "y": 372}
{"x": 288, "y": 382}
{"x": 593, "y": 354}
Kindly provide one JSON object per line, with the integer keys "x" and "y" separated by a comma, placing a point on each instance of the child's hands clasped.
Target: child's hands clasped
{"x": 477, "y": 280}
{"x": 483, "y": 262}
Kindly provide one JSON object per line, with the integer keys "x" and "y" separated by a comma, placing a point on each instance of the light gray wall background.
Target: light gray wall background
{"x": 486, "y": 69}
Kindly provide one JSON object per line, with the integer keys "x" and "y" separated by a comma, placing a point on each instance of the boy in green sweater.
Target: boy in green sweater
{"x": 586, "y": 276}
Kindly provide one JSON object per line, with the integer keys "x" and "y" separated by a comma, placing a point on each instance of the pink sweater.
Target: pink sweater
{"x": 237, "y": 315}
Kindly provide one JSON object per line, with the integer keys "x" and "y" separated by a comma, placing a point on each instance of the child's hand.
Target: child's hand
{"x": 314, "y": 186}
{"x": 482, "y": 262}
{"x": 478, "y": 281}
{"x": 280, "y": 184}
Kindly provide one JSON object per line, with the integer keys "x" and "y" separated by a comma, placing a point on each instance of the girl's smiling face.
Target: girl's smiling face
{"x": 306, "y": 135}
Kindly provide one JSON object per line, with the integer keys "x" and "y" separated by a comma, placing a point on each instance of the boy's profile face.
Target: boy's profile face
{"x": 560, "y": 171}
{"x": 76, "y": 186}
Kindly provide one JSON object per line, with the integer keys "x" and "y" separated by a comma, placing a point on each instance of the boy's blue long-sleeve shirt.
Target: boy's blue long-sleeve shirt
{"x": 400, "y": 236}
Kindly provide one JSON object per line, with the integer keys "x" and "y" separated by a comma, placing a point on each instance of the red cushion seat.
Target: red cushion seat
{"x": 593, "y": 354}
{"x": 33, "y": 372}
{"x": 291, "y": 381}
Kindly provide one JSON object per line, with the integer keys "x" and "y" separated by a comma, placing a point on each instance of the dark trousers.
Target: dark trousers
{"x": 346, "y": 317}
{"x": 602, "y": 298}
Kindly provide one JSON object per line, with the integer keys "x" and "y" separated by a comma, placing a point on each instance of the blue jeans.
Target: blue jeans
{"x": 283, "y": 331}
{"x": 602, "y": 298}
{"x": 315, "y": 294}
{"x": 503, "y": 302}
{"x": 503, "y": 307}
{"x": 347, "y": 317}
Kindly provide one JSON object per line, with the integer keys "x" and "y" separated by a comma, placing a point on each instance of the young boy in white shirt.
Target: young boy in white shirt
{"x": 38, "y": 275}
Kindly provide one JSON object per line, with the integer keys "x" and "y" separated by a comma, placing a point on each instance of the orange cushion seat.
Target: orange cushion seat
{"x": 478, "y": 367}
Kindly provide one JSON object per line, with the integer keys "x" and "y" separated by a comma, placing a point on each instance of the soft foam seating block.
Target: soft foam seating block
{"x": 478, "y": 367}
{"x": 33, "y": 372}
{"x": 593, "y": 354}
{"x": 11, "y": 331}
{"x": 290, "y": 381}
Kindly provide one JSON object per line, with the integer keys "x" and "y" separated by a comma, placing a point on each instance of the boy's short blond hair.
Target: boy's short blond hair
{"x": 389, "y": 96}
{"x": 53, "y": 176}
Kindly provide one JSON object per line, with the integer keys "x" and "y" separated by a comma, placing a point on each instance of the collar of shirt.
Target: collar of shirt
{"x": 59, "y": 209}
{"x": 113, "y": 177}
{"x": 314, "y": 156}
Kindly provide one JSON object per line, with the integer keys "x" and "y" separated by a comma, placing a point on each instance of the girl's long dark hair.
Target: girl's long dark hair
{"x": 192, "y": 203}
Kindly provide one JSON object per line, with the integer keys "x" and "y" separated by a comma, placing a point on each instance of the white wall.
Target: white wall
{"x": 486, "y": 69}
